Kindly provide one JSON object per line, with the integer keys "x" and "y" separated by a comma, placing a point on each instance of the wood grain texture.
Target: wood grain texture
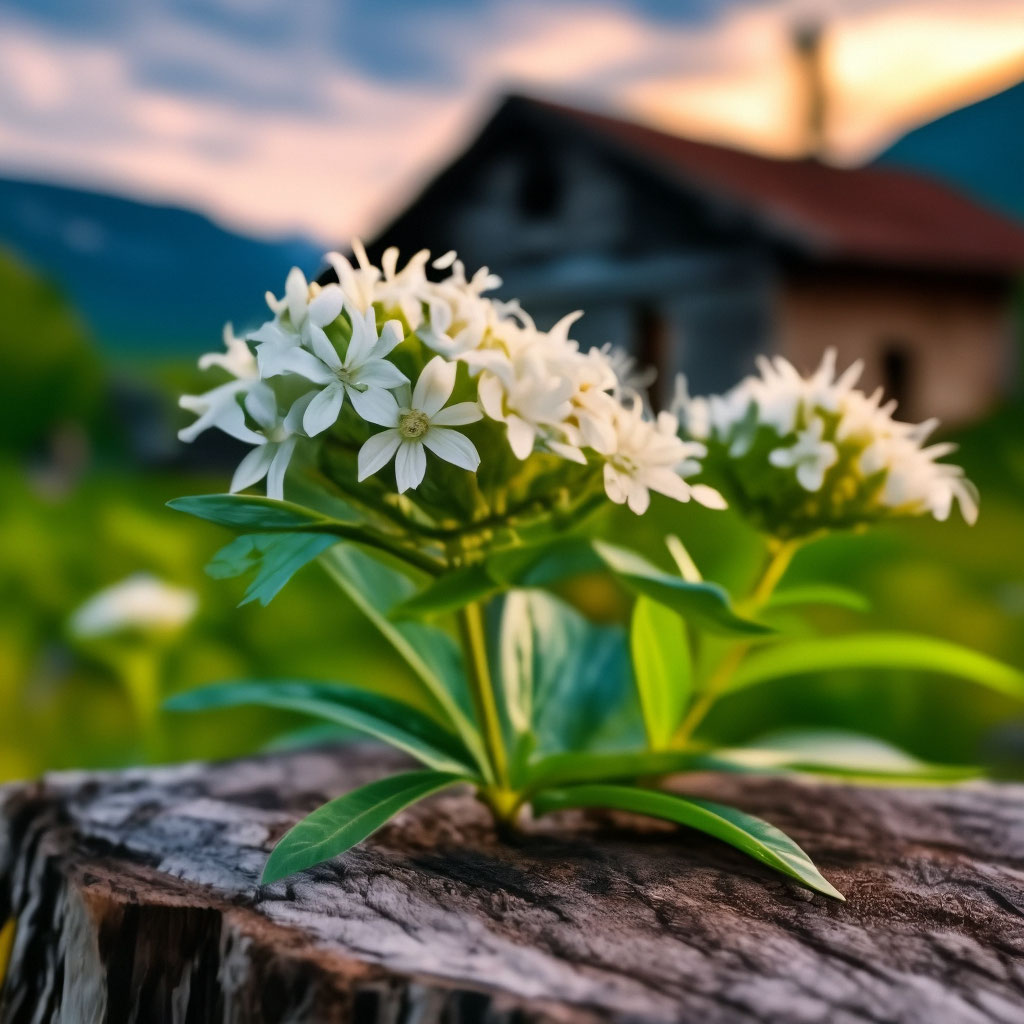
{"x": 136, "y": 898}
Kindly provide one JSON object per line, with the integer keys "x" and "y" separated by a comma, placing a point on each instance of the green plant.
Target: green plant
{"x": 526, "y": 700}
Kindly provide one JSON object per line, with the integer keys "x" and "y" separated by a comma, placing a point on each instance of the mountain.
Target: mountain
{"x": 980, "y": 148}
{"x": 144, "y": 277}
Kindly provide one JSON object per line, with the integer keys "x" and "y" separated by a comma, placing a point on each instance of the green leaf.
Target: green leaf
{"x": 318, "y": 734}
{"x": 833, "y": 752}
{"x": 614, "y": 766}
{"x": 877, "y": 650}
{"x": 265, "y": 515}
{"x": 820, "y": 593}
{"x": 341, "y": 824}
{"x": 537, "y": 565}
{"x": 753, "y": 836}
{"x": 251, "y": 512}
{"x": 661, "y": 663}
{"x": 384, "y": 718}
{"x": 275, "y": 556}
{"x": 564, "y": 681}
{"x": 376, "y": 589}
{"x": 516, "y": 661}
{"x": 447, "y": 593}
{"x": 704, "y": 604}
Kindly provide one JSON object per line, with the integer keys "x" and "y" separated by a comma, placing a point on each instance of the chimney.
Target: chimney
{"x": 808, "y": 45}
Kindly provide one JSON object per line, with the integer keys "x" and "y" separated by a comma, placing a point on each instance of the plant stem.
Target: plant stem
{"x": 140, "y": 676}
{"x": 471, "y": 629}
{"x": 780, "y": 554}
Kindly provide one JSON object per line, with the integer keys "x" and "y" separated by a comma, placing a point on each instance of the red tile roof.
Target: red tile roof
{"x": 869, "y": 214}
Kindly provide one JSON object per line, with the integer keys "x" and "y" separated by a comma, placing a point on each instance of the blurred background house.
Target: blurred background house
{"x": 695, "y": 258}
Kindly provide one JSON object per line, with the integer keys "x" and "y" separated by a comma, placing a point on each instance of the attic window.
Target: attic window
{"x": 540, "y": 188}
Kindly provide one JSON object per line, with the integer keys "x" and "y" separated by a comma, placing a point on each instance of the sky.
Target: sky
{"x": 321, "y": 117}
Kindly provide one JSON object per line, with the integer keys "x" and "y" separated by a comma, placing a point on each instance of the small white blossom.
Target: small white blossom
{"x": 403, "y": 291}
{"x": 649, "y": 456}
{"x": 220, "y": 407}
{"x": 140, "y": 602}
{"x": 364, "y": 374}
{"x": 528, "y": 399}
{"x": 422, "y": 422}
{"x": 821, "y": 421}
{"x": 309, "y": 309}
{"x": 810, "y": 456}
{"x": 275, "y": 445}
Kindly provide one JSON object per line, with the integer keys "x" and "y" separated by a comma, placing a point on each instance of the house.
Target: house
{"x": 696, "y": 257}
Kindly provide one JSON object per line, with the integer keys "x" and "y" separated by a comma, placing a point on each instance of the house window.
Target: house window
{"x": 897, "y": 372}
{"x": 540, "y": 188}
{"x": 652, "y": 345}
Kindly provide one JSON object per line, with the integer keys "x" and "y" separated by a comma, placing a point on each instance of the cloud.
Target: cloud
{"x": 320, "y": 116}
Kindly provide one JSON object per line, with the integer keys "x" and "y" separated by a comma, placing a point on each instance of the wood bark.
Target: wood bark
{"x": 137, "y": 900}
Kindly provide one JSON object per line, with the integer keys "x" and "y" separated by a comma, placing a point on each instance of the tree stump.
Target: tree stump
{"x": 136, "y": 900}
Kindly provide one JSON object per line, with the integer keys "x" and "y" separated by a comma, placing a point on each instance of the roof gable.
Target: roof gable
{"x": 871, "y": 215}
{"x": 863, "y": 214}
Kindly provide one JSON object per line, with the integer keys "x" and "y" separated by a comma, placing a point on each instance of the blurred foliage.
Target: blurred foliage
{"x": 66, "y": 532}
{"x": 51, "y": 374}
{"x": 62, "y": 706}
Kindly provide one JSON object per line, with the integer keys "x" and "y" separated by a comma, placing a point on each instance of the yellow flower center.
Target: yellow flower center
{"x": 413, "y": 424}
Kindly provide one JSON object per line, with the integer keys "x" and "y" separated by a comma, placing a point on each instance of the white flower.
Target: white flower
{"x": 810, "y": 456}
{"x": 141, "y": 602}
{"x": 886, "y": 469}
{"x": 220, "y": 407}
{"x": 633, "y": 379}
{"x": 649, "y": 456}
{"x": 276, "y": 444}
{"x": 422, "y": 423}
{"x": 694, "y": 414}
{"x": 915, "y": 482}
{"x": 365, "y": 375}
{"x": 531, "y": 402}
{"x": 460, "y": 317}
{"x": 403, "y": 290}
{"x": 309, "y": 309}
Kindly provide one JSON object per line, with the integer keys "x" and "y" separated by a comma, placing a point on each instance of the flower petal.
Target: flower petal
{"x": 458, "y": 415}
{"x": 296, "y": 292}
{"x": 261, "y": 405}
{"x": 278, "y": 466}
{"x": 375, "y": 406}
{"x": 273, "y": 333}
{"x": 295, "y": 360}
{"x": 322, "y": 347}
{"x": 322, "y": 412}
{"x": 379, "y": 373}
{"x": 638, "y": 498}
{"x": 391, "y": 335}
{"x": 377, "y": 452}
{"x": 614, "y": 484}
{"x": 293, "y": 418}
{"x": 520, "y": 436}
{"x": 453, "y": 447}
{"x": 253, "y": 467}
{"x": 707, "y": 496}
{"x": 410, "y": 465}
{"x": 364, "y": 337}
{"x": 326, "y": 307}
{"x": 435, "y": 386}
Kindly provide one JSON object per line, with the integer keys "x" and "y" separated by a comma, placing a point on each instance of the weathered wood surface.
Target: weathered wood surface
{"x": 137, "y": 901}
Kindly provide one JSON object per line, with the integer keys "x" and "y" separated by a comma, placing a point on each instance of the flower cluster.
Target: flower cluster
{"x": 799, "y": 454}
{"x": 428, "y": 372}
